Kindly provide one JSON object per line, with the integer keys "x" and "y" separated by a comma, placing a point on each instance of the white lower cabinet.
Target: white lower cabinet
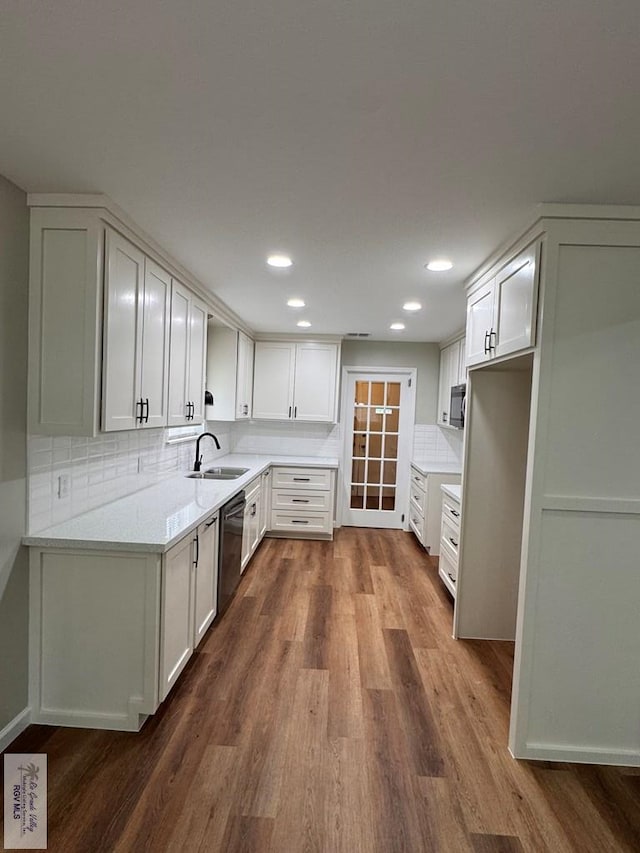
{"x": 251, "y": 527}
{"x": 425, "y": 506}
{"x": 449, "y": 542}
{"x": 302, "y": 502}
{"x": 111, "y": 631}
{"x": 205, "y": 605}
{"x": 176, "y": 633}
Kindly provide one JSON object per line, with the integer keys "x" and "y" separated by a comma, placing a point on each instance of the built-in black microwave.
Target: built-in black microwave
{"x": 458, "y": 404}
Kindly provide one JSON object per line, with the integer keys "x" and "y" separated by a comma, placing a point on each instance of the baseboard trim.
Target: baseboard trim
{"x": 15, "y": 727}
{"x": 577, "y": 754}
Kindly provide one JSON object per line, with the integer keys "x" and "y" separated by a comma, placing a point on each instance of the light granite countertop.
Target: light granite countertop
{"x": 453, "y": 491}
{"x": 436, "y": 467}
{"x": 157, "y": 517}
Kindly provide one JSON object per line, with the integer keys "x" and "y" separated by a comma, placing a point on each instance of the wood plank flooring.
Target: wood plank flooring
{"x": 329, "y": 710}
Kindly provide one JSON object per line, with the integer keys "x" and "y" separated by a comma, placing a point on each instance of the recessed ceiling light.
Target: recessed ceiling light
{"x": 279, "y": 261}
{"x": 397, "y": 327}
{"x": 439, "y": 265}
{"x": 304, "y": 324}
{"x": 295, "y": 303}
{"x": 412, "y": 306}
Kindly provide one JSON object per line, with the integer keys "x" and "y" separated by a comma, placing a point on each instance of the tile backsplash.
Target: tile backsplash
{"x": 431, "y": 443}
{"x": 70, "y": 475}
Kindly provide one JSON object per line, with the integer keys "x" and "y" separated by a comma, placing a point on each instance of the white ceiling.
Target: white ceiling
{"x": 361, "y": 136}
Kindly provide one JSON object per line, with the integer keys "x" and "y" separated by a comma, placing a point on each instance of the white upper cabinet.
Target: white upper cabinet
{"x": 452, "y": 372}
{"x": 480, "y": 323}
{"x": 136, "y": 337}
{"x": 273, "y": 378}
{"x": 295, "y": 381}
{"x": 244, "y": 377}
{"x": 65, "y": 320}
{"x": 187, "y": 351}
{"x": 100, "y": 324}
{"x": 229, "y": 373}
{"x": 501, "y": 314}
{"x": 516, "y": 296}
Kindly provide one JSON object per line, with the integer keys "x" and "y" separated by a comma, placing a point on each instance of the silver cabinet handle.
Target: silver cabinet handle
{"x": 453, "y": 542}
{"x": 299, "y": 521}
{"x": 299, "y": 500}
{"x": 451, "y": 578}
{"x": 455, "y": 513}
{"x": 302, "y": 479}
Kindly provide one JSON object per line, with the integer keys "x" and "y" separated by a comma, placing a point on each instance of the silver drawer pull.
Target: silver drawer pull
{"x": 302, "y": 479}
{"x": 453, "y": 542}
{"x": 299, "y": 500}
{"x": 299, "y": 521}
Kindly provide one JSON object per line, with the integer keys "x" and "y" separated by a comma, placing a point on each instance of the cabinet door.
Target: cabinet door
{"x": 273, "y": 380}
{"x": 156, "y": 307}
{"x": 124, "y": 277}
{"x": 462, "y": 362}
{"x": 516, "y": 301}
{"x": 206, "y": 578}
{"x": 197, "y": 359}
{"x": 479, "y": 324}
{"x": 244, "y": 377}
{"x": 178, "y": 355}
{"x": 256, "y": 520}
{"x": 65, "y": 283}
{"x": 315, "y": 382}
{"x": 176, "y": 626}
{"x": 265, "y": 508}
{"x": 448, "y": 377}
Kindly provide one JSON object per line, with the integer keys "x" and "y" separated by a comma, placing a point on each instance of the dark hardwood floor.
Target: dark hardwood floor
{"x": 329, "y": 710}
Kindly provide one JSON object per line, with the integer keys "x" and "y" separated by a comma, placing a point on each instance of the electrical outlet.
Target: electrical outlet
{"x": 63, "y": 486}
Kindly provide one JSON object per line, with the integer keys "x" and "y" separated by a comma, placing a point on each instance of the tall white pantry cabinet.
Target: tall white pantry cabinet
{"x": 550, "y": 540}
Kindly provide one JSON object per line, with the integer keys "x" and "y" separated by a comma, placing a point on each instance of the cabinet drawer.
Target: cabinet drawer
{"x": 304, "y": 522}
{"x": 417, "y": 499}
{"x": 450, "y": 541}
{"x": 298, "y": 501}
{"x": 448, "y": 571}
{"x": 251, "y": 490}
{"x": 451, "y": 512}
{"x": 418, "y": 479}
{"x": 416, "y": 523}
{"x": 302, "y": 478}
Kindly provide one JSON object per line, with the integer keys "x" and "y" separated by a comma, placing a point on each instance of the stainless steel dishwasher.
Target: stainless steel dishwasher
{"x": 230, "y": 555}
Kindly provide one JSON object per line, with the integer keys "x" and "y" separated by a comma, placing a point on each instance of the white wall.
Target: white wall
{"x": 14, "y": 242}
{"x": 424, "y": 357}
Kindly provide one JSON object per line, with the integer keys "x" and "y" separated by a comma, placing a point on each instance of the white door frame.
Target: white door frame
{"x": 402, "y": 492}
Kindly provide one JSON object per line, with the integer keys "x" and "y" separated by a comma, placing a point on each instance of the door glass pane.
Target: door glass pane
{"x": 357, "y": 497}
{"x": 357, "y": 471}
{"x": 377, "y": 393}
{"x": 375, "y": 419}
{"x": 362, "y": 393}
{"x": 391, "y": 420}
{"x": 373, "y": 497}
{"x": 389, "y": 473}
{"x": 375, "y": 446}
{"x": 390, "y": 447}
{"x": 373, "y": 471}
{"x": 360, "y": 418}
{"x": 393, "y": 394}
{"x": 388, "y": 500}
{"x": 359, "y": 444}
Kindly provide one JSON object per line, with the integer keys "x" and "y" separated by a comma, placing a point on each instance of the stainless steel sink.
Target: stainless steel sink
{"x": 218, "y": 474}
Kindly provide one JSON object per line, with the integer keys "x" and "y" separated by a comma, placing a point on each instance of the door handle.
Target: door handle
{"x": 486, "y": 342}
{"x": 197, "y": 541}
{"x": 139, "y": 416}
{"x": 146, "y": 417}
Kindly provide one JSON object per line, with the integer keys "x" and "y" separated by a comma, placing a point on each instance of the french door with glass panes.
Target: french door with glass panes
{"x": 378, "y": 416}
